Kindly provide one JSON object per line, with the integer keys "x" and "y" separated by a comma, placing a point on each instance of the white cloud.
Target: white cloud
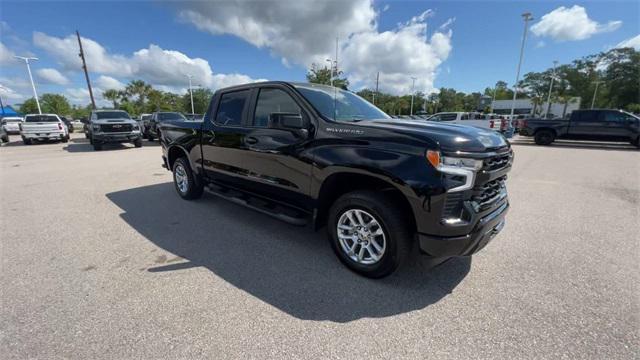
{"x": 52, "y": 76}
{"x": 302, "y": 31}
{"x": 10, "y": 95}
{"x": 308, "y": 36}
{"x": 107, "y": 82}
{"x": 155, "y": 65}
{"x": 6, "y": 55}
{"x": 633, "y": 42}
{"x": 568, "y": 24}
{"x": 399, "y": 55}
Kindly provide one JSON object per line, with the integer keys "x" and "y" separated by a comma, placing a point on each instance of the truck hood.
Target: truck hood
{"x": 450, "y": 137}
{"x": 113, "y": 121}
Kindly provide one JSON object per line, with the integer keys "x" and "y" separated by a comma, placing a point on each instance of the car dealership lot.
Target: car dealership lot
{"x": 101, "y": 259}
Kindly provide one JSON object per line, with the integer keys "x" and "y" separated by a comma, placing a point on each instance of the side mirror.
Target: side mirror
{"x": 289, "y": 121}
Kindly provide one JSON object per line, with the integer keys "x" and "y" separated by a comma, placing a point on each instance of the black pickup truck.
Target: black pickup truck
{"x": 595, "y": 124}
{"x": 313, "y": 154}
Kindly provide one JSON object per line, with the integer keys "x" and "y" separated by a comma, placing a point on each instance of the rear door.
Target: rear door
{"x": 586, "y": 124}
{"x": 223, "y": 134}
{"x": 275, "y": 159}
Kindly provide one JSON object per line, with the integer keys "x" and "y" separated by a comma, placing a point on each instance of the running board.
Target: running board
{"x": 278, "y": 211}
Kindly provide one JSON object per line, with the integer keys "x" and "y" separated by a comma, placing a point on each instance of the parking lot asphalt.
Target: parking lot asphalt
{"x": 101, "y": 259}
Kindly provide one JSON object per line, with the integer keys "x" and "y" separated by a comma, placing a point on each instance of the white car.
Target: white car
{"x": 43, "y": 127}
{"x": 467, "y": 118}
{"x": 11, "y": 124}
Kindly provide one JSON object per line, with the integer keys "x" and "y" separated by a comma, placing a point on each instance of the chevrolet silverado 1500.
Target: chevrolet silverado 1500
{"x": 307, "y": 153}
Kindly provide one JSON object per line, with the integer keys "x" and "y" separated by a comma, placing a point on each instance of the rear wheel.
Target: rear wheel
{"x": 369, "y": 233}
{"x": 188, "y": 186}
{"x": 544, "y": 137}
{"x": 26, "y": 141}
{"x": 65, "y": 139}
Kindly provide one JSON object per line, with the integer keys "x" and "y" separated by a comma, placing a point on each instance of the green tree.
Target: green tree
{"x": 55, "y": 104}
{"x": 29, "y": 106}
{"x": 201, "y": 99}
{"x": 113, "y": 96}
{"x": 323, "y": 75}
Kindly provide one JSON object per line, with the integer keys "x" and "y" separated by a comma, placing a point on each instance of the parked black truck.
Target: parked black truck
{"x": 595, "y": 124}
{"x": 308, "y": 153}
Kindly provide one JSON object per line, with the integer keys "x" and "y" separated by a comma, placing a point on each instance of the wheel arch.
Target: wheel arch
{"x": 345, "y": 181}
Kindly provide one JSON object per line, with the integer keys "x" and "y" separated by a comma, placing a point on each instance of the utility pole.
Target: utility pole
{"x": 33, "y": 86}
{"x": 527, "y": 17}
{"x": 553, "y": 75}
{"x": 376, "y": 92}
{"x": 595, "y": 93}
{"x": 86, "y": 72}
{"x": 413, "y": 84}
{"x": 191, "y": 93}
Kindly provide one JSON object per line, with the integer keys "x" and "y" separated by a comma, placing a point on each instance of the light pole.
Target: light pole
{"x": 595, "y": 93}
{"x": 493, "y": 100}
{"x": 553, "y": 75}
{"x": 33, "y": 86}
{"x": 527, "y": 17}
{"x": 191, "y": 94}
{"x": 413, "y": 84}
{"x": 331, "y": 68}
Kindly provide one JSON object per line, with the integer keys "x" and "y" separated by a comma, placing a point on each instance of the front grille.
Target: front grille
{"x": 489, "y": 191}
{"x": 115, "y": 128}
{"x": 497, "y": 162}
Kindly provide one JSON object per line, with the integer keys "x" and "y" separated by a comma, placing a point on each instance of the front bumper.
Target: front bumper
{"x": 485, "y": 230}
{"x": 116, "y": 137}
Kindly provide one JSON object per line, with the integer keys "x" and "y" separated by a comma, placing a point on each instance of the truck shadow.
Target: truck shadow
{"x": 288, "y": 267}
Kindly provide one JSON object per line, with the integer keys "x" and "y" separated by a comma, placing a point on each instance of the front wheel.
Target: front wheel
{"x": 137, "y": 142}
{"x": 185, "y": 181}
{"x": 369, "y": 233}
{"x": 544, "y": 137}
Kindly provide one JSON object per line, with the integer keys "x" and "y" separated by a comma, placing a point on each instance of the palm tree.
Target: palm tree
{"x": 140, "y": 89}
{"x": 113, "y": 96}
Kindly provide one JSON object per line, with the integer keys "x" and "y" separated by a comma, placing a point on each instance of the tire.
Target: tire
{"x": 5, "y": 139}
{"x": 188, "y": 186}
{"x": 138, "y": 142}
{"x": 86, "y": 136}
{"x": 65, "y": 139}
{"x": 97, "y": 146}
{"x": 544, "y": 137}
{"x": 392, "y": 233}
{"x": 27, "y": 141}
{"x": 636, "y": 142}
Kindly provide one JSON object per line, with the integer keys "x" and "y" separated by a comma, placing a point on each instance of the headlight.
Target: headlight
{"x": 136, "y": 128}
{"x": 95, "y": 127}
{"x": 464, "y": 163}
{"x": 464, "y": 167}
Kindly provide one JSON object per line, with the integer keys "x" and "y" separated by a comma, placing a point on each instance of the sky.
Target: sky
{"x": 466, "y": 45}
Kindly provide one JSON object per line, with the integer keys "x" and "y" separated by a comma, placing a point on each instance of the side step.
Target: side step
{"x": 278, "y": 211}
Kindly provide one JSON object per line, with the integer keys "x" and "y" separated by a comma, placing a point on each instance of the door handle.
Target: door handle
{"x": 251, "y": 140}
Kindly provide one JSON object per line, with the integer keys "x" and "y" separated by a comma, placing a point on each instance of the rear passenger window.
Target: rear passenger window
{"x": 273, "y": 101}
{"x": 231, "y": 107}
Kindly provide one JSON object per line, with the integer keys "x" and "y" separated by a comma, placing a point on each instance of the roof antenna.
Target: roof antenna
{"x": 335, "y": 90}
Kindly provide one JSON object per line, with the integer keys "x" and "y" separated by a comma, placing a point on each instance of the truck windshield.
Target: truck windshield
{"x": 41, "y": 118}
{"x": 348, "y": 106}
{"x": 170, "y": 116}
{"x": 112, "y": 115}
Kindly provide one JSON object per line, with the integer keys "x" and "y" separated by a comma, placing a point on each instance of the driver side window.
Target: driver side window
{"x": 273, "y": 101}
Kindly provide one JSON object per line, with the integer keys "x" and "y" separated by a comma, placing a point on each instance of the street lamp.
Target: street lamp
{"x": 595, "y": 92}
{"x": 553, "y": 75}
{"x": 526, "y": 17}
{"x": 331, "y": 68}
{"x": 413, "y": 84}
{"x": 33, "y": 86}
{"x": 493, "y": 100}
{"x": 191, "y": 93}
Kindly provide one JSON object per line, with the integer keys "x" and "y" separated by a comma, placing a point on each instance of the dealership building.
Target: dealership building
{"x": 525, "y": 106}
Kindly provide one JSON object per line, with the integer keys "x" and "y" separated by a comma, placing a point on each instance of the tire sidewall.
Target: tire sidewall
{"x": 544, "y": 137}
{"x": 389, "y": 259}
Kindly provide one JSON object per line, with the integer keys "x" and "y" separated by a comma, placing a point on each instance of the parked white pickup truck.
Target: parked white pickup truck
{"x": 489, "y": 121}
{"x": 11, "y": 124}
{"x": 43, "y": 127}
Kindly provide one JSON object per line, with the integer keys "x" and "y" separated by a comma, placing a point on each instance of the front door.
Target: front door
{"x": 617, "y": 125}
{"x": 276, "y": 158}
